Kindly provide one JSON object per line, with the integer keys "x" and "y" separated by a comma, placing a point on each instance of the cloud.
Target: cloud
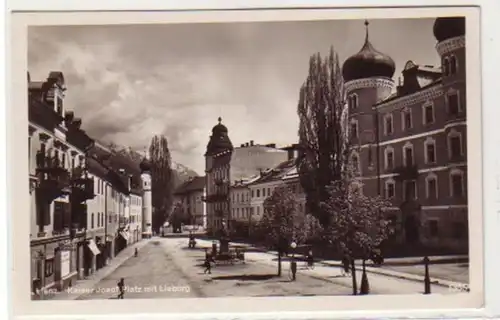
{"x": 129, "y": 83}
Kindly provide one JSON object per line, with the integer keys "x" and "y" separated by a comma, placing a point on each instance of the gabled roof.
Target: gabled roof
{"x": 194, "y": 184}
{"x": 276, "y": 173}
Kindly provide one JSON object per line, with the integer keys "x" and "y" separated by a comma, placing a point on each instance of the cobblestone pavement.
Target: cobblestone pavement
{"x": 165, "y": 268}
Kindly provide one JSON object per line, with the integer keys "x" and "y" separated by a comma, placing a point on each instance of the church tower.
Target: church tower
{"x": 368, "y": 79}
{"x": 147, "y": 203}
{"x": 217, "y": 169}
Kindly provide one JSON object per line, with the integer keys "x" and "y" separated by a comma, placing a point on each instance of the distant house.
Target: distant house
{"x": 190, "y": 196}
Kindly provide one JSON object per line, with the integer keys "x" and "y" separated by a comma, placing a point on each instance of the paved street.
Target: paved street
{"x": 166, "y": 268}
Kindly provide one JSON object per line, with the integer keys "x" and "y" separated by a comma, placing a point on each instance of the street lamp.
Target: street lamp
{"x": 293, "y": 263}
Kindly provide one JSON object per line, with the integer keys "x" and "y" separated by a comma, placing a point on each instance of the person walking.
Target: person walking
{"x": 345, "y": 266}
{"x": 121, "y": 288}
{"x": 208, "y": 265}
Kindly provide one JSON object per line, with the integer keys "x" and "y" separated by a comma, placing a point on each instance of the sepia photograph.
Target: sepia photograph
{"x": 253, "y": 159}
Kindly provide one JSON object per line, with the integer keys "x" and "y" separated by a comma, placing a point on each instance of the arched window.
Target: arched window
{"x": 354, "y": 129}
{"x": 455, "y": 149}
{"x": 457, "y": 185}
{"x": 390, "y": 189}
{"x": 355, "y": 162}
{"x": 431, "y": 186}
{"x": 428, "y": 113}
{"x": 408, "y": 155}
{"x": 453, "y": 101}
{"x": 453, "y": 65}
{"x": 445, "y": 63}
{"x": 430, "y": 150}
{"x": 354, "y": 101}
{"x": 388, "y": 124}
{"x": 406, "y": 119}
{"x": 389, "y": 158}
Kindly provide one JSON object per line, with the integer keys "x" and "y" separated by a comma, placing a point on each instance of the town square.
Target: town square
{"x": 333, "y": 164}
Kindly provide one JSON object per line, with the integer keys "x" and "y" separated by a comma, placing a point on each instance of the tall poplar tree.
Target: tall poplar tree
{"x": 322, "y": 131}
{"x": 162, "y": 183}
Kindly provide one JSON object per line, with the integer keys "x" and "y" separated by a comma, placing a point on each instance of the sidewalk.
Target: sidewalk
{"x": 86, "y": 285}
{"x": 380, "y": 270}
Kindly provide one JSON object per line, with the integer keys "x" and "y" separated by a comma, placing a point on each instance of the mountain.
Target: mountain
{"x": 181, "y": 172}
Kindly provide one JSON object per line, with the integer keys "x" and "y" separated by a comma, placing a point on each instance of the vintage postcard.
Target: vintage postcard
{"x": 307, "y": 160}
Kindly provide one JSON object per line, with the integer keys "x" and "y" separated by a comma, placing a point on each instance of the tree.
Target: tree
{"x": 280, "y": 223}
{"x": 322, "y": 136}
{"x": 357, "y": 222}
{"x": 162, "y": 180}
{"x": 175, "y": 217}
{"x": 311, "y": 230}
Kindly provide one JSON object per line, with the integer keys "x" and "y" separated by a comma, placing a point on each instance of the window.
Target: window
{"x": 430, "y": 151}
{"x": 431, "y": 186}
{"x": 390, "y": 189}
{"x": 457, "y": 184}
{"x": 389, "y": 158}
{"x": 454, "y": 144}
{"x": 428, "y": 114}
{"x": 63, "y": 160}
{"x": 252, "y": 193}
{"x": 355, "y": 162}
{"x": 445, "y": 66}
{"x": 453, "y": 104}
{"x": 453, "y": 65}
{"x": 352, "y": 101}
{"x": 268, "y": 192}
{"x": 258, "y": 193}
{"x": 354, "y": 129}
{"x": 433, "y": 228}
{"x": 29, "y": 148}
{"x": 388, "y": 124}
{"x": 92, "y": 221}
{"x": 408, "y": 155}
{"x": 406, "y": 119}
{"x": 410, "y": 190}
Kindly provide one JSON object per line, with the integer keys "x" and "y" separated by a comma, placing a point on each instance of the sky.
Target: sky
{"x": 131, "y": 82}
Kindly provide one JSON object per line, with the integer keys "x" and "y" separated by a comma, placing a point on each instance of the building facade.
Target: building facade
{"x": 409, "y": 140}
{"x": 147, "y": 201}
{"x": 81, "y": 200}
{"x": 190, "y": 195}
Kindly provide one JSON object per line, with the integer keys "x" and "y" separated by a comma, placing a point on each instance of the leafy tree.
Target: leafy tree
{"x": 358, "y": 222}
{"x": 162, "y": 180}
{"x": 311, "y": 230}
{"x": 322, "y": 137}
{"x": 281, "y": 222}
{"x": 176, "y": 216}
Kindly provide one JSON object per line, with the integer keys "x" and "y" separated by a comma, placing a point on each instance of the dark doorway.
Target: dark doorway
{"x": 411, "y": 229}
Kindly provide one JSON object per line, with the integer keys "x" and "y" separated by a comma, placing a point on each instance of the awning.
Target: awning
{"x": 93, "y": 247}
{"x": 125, "y": 235}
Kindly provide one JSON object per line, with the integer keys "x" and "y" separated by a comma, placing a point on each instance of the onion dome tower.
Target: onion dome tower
{"x": 368, "y": 63}
{"x": 218, "y": 168}
{"x": 147, "y": 201}
{"x": 450, "y": 35}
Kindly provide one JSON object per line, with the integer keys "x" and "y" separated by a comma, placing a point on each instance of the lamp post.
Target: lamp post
{"x": 293, "y": 263}
{"x": 427, "y": 279}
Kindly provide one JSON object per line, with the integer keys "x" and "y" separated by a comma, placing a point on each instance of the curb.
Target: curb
{"x": 110, "y": 270}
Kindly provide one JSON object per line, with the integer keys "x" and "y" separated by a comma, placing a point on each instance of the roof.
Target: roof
{"x": 194, "y": 184}
{"x": 276, "y": 173}
{"x": 395, "y": 96}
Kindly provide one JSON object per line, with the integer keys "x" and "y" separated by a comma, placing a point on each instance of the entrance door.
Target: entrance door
{"x": 412, "y": 229}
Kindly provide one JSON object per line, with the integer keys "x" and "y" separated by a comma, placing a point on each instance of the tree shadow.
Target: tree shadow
{"x": 247, "y": 277}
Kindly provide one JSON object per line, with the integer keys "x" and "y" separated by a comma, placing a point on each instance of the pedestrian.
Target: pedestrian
{"x": 208, "y": 265}
{"x": 310, "y": 259}
{"x": 121, "y": 288}
{"x": 345, "y": 266}
{"x": 136, "y": 252}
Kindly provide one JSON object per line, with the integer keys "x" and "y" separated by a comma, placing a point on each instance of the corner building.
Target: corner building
{"x": 409, "y": 141}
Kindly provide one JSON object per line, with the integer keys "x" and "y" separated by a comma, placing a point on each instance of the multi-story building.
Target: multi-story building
{"x": 78, "y": 197}
{"x": 263, "y": 187}
{"x": 190, "y": 195}
{"x": 59, "y": 186}
{"x": 410, "y": 143}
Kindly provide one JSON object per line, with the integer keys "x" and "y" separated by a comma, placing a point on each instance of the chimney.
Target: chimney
{"x": 251, "y": 142}
{"x": 242, "y": 145}
{"x": 246, "y": 144}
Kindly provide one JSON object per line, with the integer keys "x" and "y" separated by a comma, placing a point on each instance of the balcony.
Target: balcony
{"x": 82, "y": 185}
{"x": 406, "y": 172}
{"x": 54, "y": 178}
